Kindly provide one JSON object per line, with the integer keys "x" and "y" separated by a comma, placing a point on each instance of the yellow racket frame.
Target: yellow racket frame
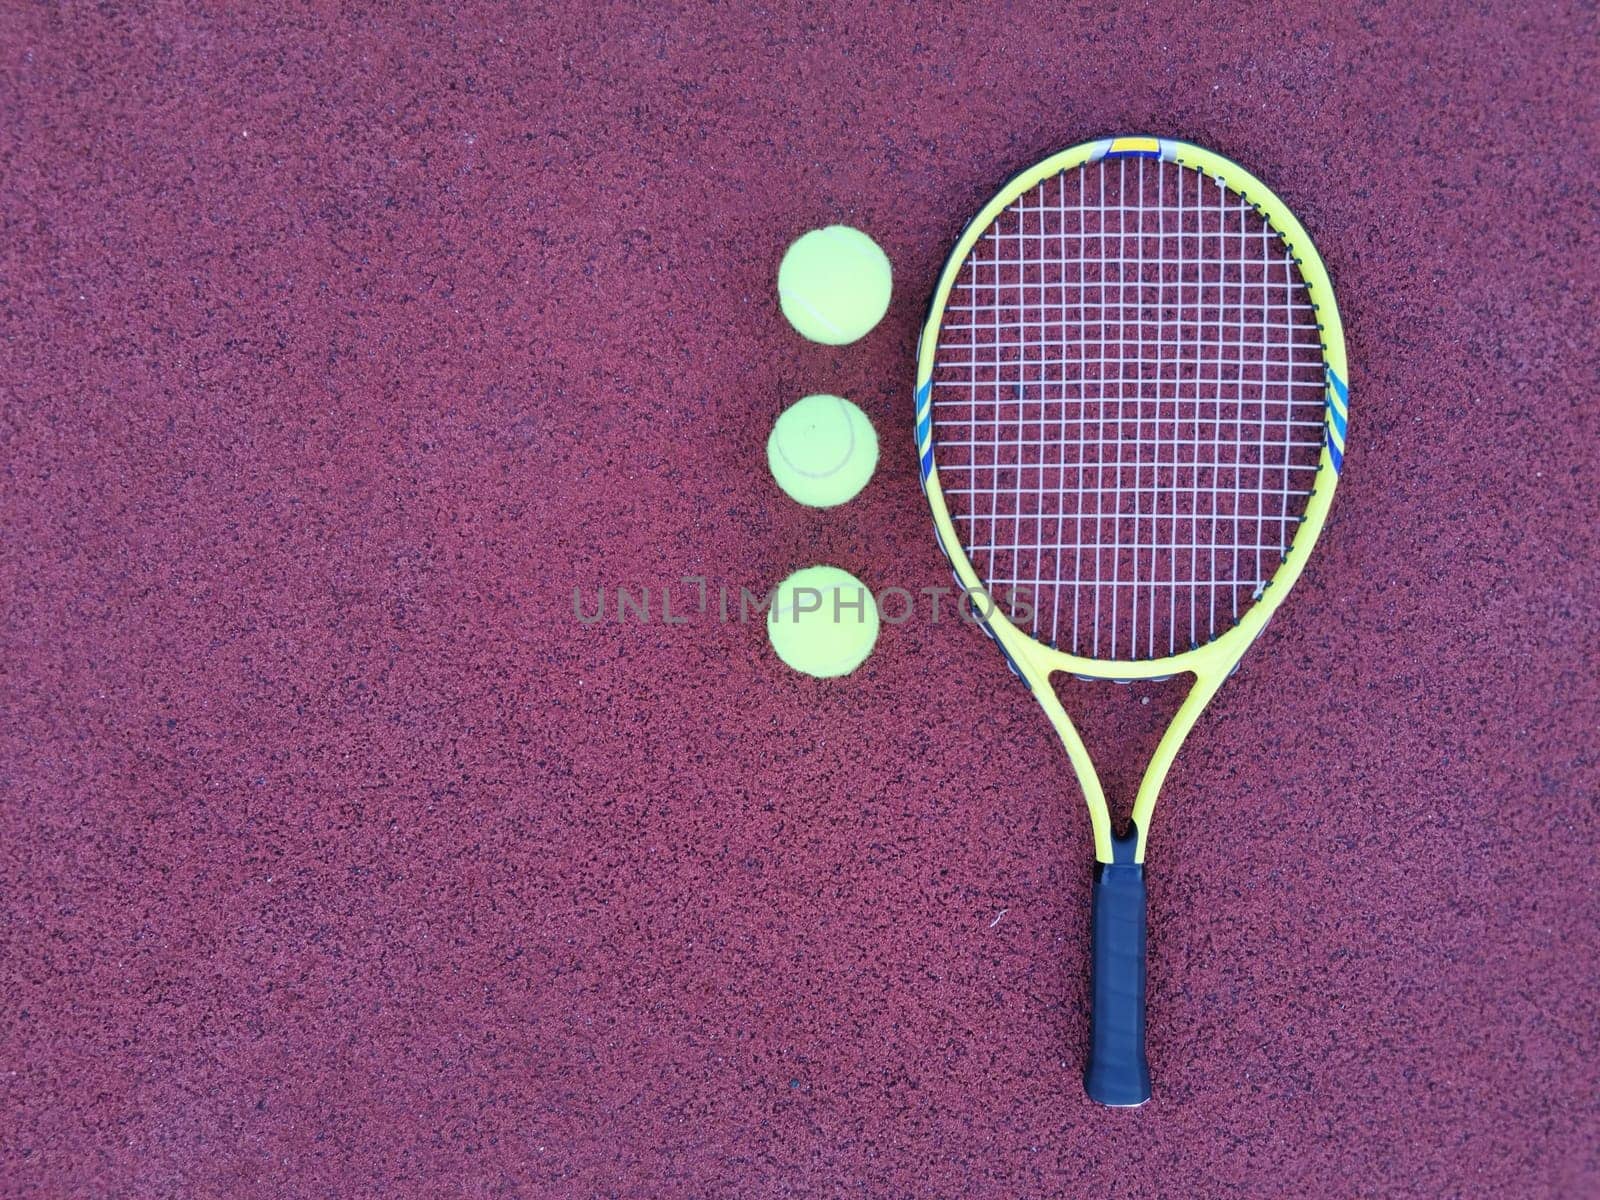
{"x": 1212, "y": 663}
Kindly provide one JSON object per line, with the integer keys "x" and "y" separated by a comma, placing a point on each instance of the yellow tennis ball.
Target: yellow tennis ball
{"x": 823, "y": 622}
{"x": 822, "y": 450}
{"x": 834, "y": 284}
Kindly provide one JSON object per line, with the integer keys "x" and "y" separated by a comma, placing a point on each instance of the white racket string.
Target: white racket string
{"x": 1127, "y": 406}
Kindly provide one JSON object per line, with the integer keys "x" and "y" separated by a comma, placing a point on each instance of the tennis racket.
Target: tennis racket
{"x": 1130, "y": 415}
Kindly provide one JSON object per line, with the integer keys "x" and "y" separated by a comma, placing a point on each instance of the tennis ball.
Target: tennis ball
{"x": 833, "y": 284}
{"x": 822, "y": 450}
{"x": 823, "y": 622}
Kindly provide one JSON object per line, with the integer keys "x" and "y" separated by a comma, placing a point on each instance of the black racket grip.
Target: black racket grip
{"x": 1118, "y": 1073}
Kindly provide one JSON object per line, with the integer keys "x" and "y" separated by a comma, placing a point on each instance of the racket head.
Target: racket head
{"x": 1026, "y": 472}
{"x": 1151, "y": 298}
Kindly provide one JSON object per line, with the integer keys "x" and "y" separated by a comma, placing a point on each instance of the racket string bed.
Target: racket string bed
{"x": 1127, "y": 403}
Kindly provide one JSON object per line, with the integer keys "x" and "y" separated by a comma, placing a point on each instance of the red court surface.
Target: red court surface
{"x": 340, "y": 859}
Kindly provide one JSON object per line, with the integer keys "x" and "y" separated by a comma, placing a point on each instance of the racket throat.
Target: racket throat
{"x": 1112, "y": 734}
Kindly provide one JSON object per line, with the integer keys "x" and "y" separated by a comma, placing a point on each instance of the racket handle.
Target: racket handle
{"x": 1118, "y": 1073}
